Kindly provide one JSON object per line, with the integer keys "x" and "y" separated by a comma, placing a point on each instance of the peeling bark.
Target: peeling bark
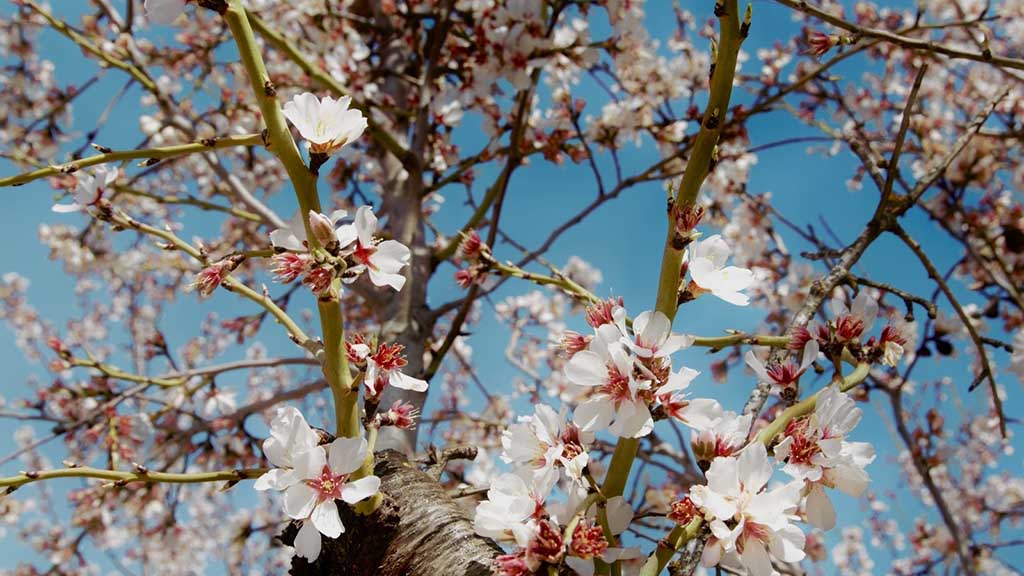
{"x": 418, "y": 531}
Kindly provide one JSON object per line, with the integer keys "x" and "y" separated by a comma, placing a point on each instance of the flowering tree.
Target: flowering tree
{"x": 611, "y": 453}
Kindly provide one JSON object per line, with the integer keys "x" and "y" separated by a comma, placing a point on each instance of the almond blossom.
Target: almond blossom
{"x": 815, "y": 451}
{"x": 749, "y": 523}
{"x": 323, "y": 477}
{"x": 383, "y": 367}
{"x": 293, "y": 236}
{"x": 327, "y": 124}
{"x": 619, "y": 401}
{"x": 164, "y": 11}
{"x": 784, "y": 374}
{"x": 653, "y": 336}
{"x": 853, "y": 321}
{"x": 512, "y": 501}
{"x": 382, "y": 260}
{"x": 706, "y": 262}
{"x": 290, "y": 436}
{"x": 544, "y": 440}
{"x": 697, "y": 413}
{"x": 723, "y": 437}
{"x": 89, "y": 188}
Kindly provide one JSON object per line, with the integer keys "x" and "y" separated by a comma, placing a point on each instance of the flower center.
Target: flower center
{"x": 616, "y": 386}
{"x": 803, "y": 447}
{"x": 389, "y": 356}
{"x": 328, "y": 484}
{"x": 364, "y": 253}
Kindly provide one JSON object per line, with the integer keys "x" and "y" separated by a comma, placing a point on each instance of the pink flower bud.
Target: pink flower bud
{"x": 322, "y": 228}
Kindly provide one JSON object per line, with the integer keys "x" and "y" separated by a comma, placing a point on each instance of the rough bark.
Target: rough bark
{"x": 418, "y": 531}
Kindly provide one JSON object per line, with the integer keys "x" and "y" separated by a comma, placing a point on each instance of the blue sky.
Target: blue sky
{"x": 623, "y": 239}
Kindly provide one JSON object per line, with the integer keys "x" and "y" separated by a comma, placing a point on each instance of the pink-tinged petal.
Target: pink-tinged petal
{"x": 586, "y": 368}
{"x": 580, "y": 566}
{"x": 361, "y": 489}
{"x": 593, "y": 415}
{"x": 620, "y": 514}
{"x": 307, "y": 542}
{"x": 819, "y": 508}
{"x": 756, "y": 558}
{"x": 391, "y": 256}
{"x": 299, "y": 501}
{"x": 366, "y": 225}
{"x": 276, "y": 479}
{"x": 326, "y": 519}
{"x": 712, "y": 554}
{"x": 788, "y": 543}
{"x": 395, "y": 281}
{"x": 405, "y": 382}
{"x": 346, "y": 455}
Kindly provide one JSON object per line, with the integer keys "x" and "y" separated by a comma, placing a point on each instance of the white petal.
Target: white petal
{"x": 283, "y": 238}
{"x": 361, "y": 489}
{"x": 66, "y": 208}
{"x": 310, "y": 463}
{"x": 787, "y": 544}
{"x": 756, "y": 558}
{"x": 346, "y": 235}
{"x": 346, "y": 455}
{"x": 593, "y": 415}
{"x": 366, "y": 225}
{"x": 164, "y": 11}
{"x": 390, "y": 256}
{"x": 620, "y": 514}
{"x": 755, "y": 469}
{"x": 276, "y": 479}
{"x": 586, "y": 368}
{"x": 299, "y": 501}
{"x": 307, "y": 542}
{"x": 580, "y": 566}
{"x": 405, "y": 382}
{"x": 819, "y": 508}
{"x": 395, "y": 281}
{"x": 326, "y": 519}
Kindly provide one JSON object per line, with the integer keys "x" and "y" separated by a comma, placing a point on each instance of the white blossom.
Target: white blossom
{"x": 326, "y": 124}
{"x": 89, "y": 188}
{"x": 747, "y": 522}
{"x": 323, "y": 477}
{"x": 708, "y": 271}
{"x": 382, "y": 260}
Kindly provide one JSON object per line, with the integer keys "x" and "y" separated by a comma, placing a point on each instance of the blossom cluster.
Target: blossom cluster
{"x": 627, "y": 380}
{"x": 313, "y": 477}
{"x": 344, "y": 252}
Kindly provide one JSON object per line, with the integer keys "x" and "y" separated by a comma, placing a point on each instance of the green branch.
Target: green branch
{"x": 146, "y": 153}
{"x": 139, "y": 475}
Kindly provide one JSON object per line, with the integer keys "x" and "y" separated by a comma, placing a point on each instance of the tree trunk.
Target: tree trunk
{"x": 418, "y": 531}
